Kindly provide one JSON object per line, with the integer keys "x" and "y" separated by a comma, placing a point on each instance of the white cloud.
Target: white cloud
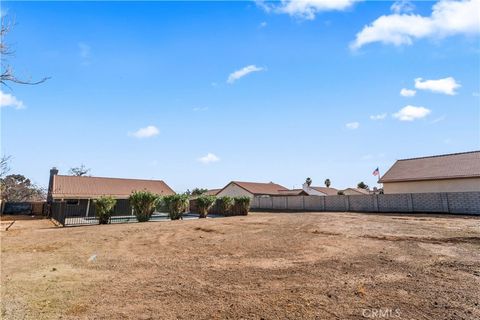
{"x": 8, "y": 100}
{"x": 438, "y": 119}
{"x": 199, "y": 109}
{"x": 352, "y": 125}
{"x": 209, "y": 158}
{"x": 381, "y": 116}
{"x": 448, "y": 18}
{"x": 147, "y": 132}
{"x": 263, "y": 24}
{"x": 407, "y": 92}
{"x": 402, "y": 6}
{"x": 234, "y": 76}
{"x": 445, "y": 85}
{"x": 305, "y": 9}
{"x": 410, "y": 113}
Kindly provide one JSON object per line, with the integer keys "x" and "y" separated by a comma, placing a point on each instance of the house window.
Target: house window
{"x": 73, "y": 202}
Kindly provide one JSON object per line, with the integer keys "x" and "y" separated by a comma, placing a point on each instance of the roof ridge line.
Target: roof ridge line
{"x": 114, "y": 178}
{"x": 440, "y": 155}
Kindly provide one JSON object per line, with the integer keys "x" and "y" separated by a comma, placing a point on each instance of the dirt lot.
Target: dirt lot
{"x": 265, "y": 265}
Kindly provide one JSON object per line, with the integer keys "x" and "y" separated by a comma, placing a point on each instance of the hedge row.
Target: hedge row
{"x": 228, "y": 206}
{"x": 145, "y": 203}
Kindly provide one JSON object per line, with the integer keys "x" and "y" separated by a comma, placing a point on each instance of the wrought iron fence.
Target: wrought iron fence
{"x": 73, "y": 213}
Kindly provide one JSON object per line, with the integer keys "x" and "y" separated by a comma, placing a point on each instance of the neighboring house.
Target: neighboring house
{"x": 293, "y": 192}
{"x": 78, "y": 191}
{"x": 212, "y": 192}
{"x": 457, "y": 172}
{"x": 319, "y": 191}
{"x": 251, "y": 189}
{"x": 355, "y": 191}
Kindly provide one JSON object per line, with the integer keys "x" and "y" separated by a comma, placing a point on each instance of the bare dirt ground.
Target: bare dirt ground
{"x": 262, "y": 266}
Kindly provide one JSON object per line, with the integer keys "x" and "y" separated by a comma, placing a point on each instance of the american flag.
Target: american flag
{"x": 376, "y": 172}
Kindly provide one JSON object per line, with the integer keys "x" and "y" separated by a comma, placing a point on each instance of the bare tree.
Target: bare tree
{"x": 4, "y": 165}
{"x": 82, "y": 170}
{"x": 18, "y": 188}
{"x": 7, "y": 73}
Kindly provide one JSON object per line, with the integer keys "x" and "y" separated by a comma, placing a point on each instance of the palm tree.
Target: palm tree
{"x": 327, "y": 183}
{"x": 308, "y": 181}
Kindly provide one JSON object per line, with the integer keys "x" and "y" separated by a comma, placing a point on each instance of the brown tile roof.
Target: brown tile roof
{"x": 212, "y": 192}
{"x": 92, "y": 187}
{"x": 327, "y": 191}
{"x": 259, "y": 187}
{"x": 358, "y": 190}
{"x": 292, "y": 192}
{"x": 447, "y": 166}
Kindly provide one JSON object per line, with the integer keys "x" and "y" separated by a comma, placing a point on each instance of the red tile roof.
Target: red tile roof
{"x": 92, "y": 187}
{"x": 447, "y": 166}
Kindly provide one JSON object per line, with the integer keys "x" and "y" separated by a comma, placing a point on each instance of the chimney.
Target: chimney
{"x": 53, "y": 172}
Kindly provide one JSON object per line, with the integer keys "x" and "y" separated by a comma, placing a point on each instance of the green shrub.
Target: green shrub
{"x": 241, "y": 205}
{"x": 104, "y": 208}
{"x": 176, "y": 204}
{"x": 143, "y": 204}
{"x": 224, "y": 205}
{"x": 204, "y": 203}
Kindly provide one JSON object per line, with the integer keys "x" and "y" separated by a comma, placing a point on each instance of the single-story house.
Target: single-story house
{"x": 355, "y": 191}
{"x": 212, "y": 192}
{"x": 293, "y": 192}
{"x": 251, "y": 189}
{"x": 456, "y": 172}
{"x": 78, "y": 191}
{"x": 323, "y": 191}
{"x": 318, "y": 191}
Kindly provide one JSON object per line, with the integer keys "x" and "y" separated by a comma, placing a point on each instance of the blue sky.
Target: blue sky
{"x": 248, "y": 91}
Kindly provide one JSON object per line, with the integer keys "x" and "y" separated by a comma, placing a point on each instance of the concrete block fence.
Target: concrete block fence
{"x": 452, "y": 202}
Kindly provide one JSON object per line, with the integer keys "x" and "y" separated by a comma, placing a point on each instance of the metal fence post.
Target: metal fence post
{"x": 63, "y": 212}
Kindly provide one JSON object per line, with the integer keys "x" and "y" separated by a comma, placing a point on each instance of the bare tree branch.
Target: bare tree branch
{"x": 7, "y": 74}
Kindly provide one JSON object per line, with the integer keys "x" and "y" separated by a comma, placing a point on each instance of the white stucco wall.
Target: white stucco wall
{"x": 447, "y": 185}
{"x": 232, "y": 190}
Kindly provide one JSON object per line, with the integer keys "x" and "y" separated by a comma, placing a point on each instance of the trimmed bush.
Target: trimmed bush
{"x": 176, "y": 204}
{"x": 224, "y": 205}
{"x": 204, "y": 203}
{"x": 104, "y": 208}
{"x": 143, "y": 204}
{"x": 241, "y": 205}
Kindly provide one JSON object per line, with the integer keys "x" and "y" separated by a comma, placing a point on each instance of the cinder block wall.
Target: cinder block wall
{"x": 455, "y": 202}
